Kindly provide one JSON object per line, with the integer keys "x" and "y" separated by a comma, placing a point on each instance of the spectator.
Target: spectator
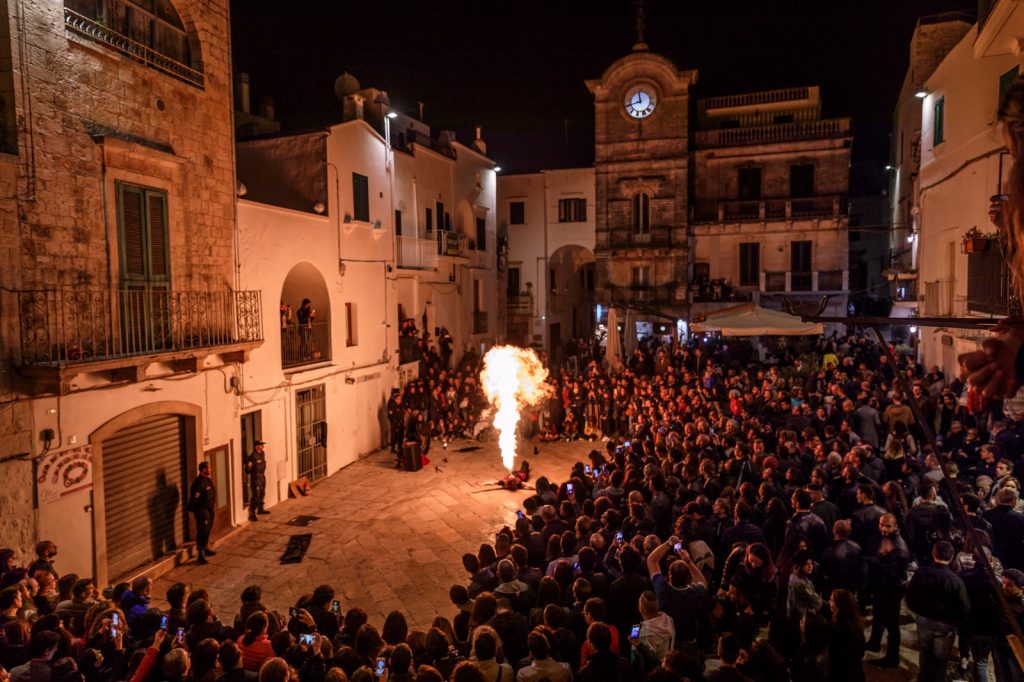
{"x": 542, "y": 666}
{"x": 938, "y": 598}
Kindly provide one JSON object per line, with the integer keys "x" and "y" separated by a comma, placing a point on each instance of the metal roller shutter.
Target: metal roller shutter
{"x": 143, "y": 480}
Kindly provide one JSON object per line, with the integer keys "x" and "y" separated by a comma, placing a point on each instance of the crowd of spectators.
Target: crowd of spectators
{"x": 733, "y": 523}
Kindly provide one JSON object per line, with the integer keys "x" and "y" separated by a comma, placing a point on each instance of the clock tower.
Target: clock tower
{"x": 641, "y": 110}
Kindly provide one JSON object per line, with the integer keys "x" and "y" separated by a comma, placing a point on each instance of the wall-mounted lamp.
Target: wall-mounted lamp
{"x": 392, "y": 115}
{"x": 497, "y": 169}
{"x": 921, "y": 93}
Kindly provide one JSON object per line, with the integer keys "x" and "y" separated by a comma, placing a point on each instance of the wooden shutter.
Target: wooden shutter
{"x": 132, "y": 237}
{"x": 159, "y": 249}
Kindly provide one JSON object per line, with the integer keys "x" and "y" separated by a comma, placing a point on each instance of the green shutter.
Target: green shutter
{"x": 159, "y": 249}
{"x": 131, "y": 227}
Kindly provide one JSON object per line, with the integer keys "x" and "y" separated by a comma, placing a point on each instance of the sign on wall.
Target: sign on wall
{"x": 62, "y": 473}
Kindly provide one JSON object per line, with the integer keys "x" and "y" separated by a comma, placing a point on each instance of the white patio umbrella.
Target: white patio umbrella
{"x": 613, "y": 345}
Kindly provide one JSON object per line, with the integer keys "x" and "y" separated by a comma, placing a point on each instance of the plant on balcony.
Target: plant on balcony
{"x": 976, "y": 241}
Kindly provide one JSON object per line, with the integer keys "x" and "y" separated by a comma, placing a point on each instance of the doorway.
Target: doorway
{"x": 220, "y": 473}
{"x": 311, "y": 420}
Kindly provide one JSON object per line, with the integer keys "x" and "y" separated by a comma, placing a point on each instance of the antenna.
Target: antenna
{"x": 640, "y": 45}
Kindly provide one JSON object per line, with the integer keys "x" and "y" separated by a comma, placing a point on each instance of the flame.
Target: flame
{"x": 512, "y": 378}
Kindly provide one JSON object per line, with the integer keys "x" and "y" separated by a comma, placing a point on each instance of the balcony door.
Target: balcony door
{"x": 800, "y": 266}
{"x": 144, "y": 247}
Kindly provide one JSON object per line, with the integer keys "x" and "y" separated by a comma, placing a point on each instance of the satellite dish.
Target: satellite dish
{"x": 346, "y": 85}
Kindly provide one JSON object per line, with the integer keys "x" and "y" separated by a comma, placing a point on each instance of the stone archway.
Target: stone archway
{"x": 311, "y": 343}
{"x": 570, "y": 295}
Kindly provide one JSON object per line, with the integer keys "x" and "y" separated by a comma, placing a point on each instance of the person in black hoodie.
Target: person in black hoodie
{"x": 603, "y": 665}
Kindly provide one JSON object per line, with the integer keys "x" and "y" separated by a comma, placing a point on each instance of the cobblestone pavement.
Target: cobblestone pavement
{"x": 385, "y": 539}
{"x": 389, "y": 539}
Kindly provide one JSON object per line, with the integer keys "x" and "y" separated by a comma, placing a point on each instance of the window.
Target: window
{"x": 143, "y": 237}
{"x": 1005, "y": 81}
{"x": 938, "y": 122}
{"x": 481, "y": 234}
{"x": 750, "y": 264}
{"x": 641, "y": 213}
{"x": 430, "y": 220}
{"x": 157, "y": 31}
{"x": 800, "y": 266}
{"x": 801, "y": 180}
{"x": 360, "y": 197}
{"x": 517, "y": 213}
{"x": 553, "y": 280}
{"x": 750, "y": 184}
{"x": 398, "y": 222}
{"x": 641, "y": 277}
{"x": 513, "y": 282}
{"x": 351, "y": 328}
{"x": 439, "y": 209}
{"x": 572, "y": 210}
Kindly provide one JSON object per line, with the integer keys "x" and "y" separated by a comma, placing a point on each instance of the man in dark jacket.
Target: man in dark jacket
{"x": 865, "y": 520}
{"x": 806, "y": 523}
{"x": 927, "y": 523}
{"x": 938, "y": 598}
{"x": 887, "y": 572}
{"x": 202, "y": 502}
{"x": 135, "y": 601}
{"x": 841, "y": 565}
{"x": 1007, "y": 529}
{"x": 603, "y": 665}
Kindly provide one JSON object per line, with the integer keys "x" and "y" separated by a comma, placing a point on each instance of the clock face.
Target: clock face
{"x": 639, "y": 102}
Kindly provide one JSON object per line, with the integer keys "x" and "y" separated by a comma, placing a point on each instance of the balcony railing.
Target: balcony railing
{"x": 989, "y": 288}
{"x": 780, "y": 208}
{"x": 417, "y": 254}
{"x": 409, "y": 349}
{"x": 771, "y": 134}
{"x": 63, "y": 327}
{"x": 819, "y": 280}
{"x": 305, "y": 344}
{"x": 641, "y": 293}
{"x": 656, "y": 237}
{"x": 479, "y": 321}
{"x": 520, "y": 304}
{"x": 449, "y": 243}
{"x": 756, "y": 98}
{"x": 94, "y": 21}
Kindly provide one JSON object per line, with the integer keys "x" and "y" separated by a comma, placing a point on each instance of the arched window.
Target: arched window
{"x": 641, "y": 213}
{"x": 150, "y": 31}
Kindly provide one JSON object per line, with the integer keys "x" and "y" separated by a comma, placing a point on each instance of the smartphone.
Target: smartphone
{"x": 293, "y": 612}
{"x": 113, "y": 631}
{"x": 163, "y": 623}
{"x": 627, "y": 444}
{"x": 635, "y": 632}
{"x": 379, "y": 670}
{"x": 180, "y": 637}
{"x": 115, "y": 619}
{"x": 618, "y": 536}
{"x": 569, "y": 488}
{"x": 576, "y": 566}
{"x": 306, "y": 639}
{"x": 520, "y": 514}
{"x": 678, "y": 547}
{"x": 336, "y": 607}
{"x": 588, "y": 470}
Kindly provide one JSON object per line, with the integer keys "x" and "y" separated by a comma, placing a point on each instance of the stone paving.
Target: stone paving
{"x": 389, "y": 539}
{"x": 386, "y": 539}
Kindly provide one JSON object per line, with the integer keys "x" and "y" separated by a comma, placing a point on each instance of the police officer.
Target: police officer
{"x": 396, "y": 419}
{"x": 256, "y": 469}
{"x": 202, "y": 502}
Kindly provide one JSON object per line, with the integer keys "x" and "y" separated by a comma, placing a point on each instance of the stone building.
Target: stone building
{"x": 744, "y": 201}
{"x": 123, "y": 324}
{"x": 963, "y": 163}
{"x": 934, "y": 36}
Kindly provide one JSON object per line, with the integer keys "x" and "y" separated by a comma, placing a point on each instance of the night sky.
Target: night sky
{"x": 517, "y": 67}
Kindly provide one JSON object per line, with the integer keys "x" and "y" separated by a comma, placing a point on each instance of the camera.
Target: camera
{"x": 520, "y": 514}
{"x": 379, "y": 670}
{"x": 306, "y": 639}
{"x": 677, "y": 548}
{"x": 569, "y": 488}
{"x": 635, "y": 632}
{"x": 618, "y": 536}
{"x": 180, "y": 637}
{"x": 293, "y": 612}
{"x": 163, "y": 623}
{"x": 336, "y": 607}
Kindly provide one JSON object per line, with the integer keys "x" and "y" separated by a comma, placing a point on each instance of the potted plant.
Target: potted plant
{"x": 975, "y": 241}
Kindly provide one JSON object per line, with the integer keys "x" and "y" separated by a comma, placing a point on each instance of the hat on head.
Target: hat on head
{"x": 260, "y": 442}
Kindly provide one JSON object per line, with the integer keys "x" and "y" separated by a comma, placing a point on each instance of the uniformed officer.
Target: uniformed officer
{"x": 256, "y": 469}
{"x": 396, "y": 419}
{"x": 202, "y": 502}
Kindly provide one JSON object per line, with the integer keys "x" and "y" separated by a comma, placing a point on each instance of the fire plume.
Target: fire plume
{"x": 512, "y": 378}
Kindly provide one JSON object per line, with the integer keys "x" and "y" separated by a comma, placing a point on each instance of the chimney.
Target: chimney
{"x": 267, "y": 108}
{"x": 478, "y": 144}
{"x": 242, "y": 92}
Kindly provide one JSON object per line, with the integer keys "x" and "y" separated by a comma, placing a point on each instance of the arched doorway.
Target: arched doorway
{"x": 143, "y": 463}
{"x": 303, "y": 344}
{"x": 570, "y": 299}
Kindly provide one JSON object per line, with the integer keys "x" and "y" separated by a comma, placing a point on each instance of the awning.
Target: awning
{"x": 751, "y": 320}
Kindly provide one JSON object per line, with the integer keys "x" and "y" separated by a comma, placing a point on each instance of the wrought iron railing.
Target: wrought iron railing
{"x": 768, "y": 134}
{"x": 777, "y": 208}
{"x": 305, "y": 344}
{"x": 830, "y": 280}
{"x": 521, "y": 304}
{"x": 72, "y": 326}
{"x": 643, "y": 293}
{"x": 415, "y": 253}
{"x": 774, "y": 281}
{"x": 756, "y": 98}
{"x": 479, "y": 321}
{"x": 96, "y": 28}
{"x": 989, "y": 284}
{"x": 655, "y": 237}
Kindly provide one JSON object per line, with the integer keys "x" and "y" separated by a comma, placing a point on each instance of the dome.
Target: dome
{"x": 346, "y": 85}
